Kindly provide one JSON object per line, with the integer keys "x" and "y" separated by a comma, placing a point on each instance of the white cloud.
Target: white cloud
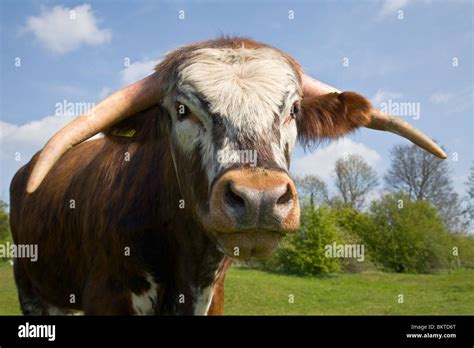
{"x": 391, "y": 6}
{"x": 18, "y": 143}
{"x": 441, "y": 97}
{"x": 383, "y": 96}
{"x": 25, "y": 140}
{"x": 458, "y": 101}
{"x": 321, "y": 162}
{"x": 138, "y": 70}
{"x": 63, "y": 29}
{"x": 30, "y": 137}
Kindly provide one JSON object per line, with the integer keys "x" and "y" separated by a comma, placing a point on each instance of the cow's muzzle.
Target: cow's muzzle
{"x": 251, "y": 209}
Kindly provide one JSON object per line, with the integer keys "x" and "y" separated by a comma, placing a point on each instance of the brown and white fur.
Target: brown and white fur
{"x": 130, "y": 245}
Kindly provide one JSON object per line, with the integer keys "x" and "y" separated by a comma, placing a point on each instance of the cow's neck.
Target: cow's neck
{"x": 188, "y": 261}
{"x": 195, "y": 273}
{"x": 195, "y": 265}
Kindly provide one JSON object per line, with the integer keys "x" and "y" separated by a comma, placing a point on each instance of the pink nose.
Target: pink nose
{"x": 249, "y": 206}
{"x": 254, "y": 199}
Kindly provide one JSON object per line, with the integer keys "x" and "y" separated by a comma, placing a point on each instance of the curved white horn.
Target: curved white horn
{"x": 118, "y": 106}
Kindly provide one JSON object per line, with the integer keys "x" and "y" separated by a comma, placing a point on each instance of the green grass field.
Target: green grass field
{"x": 255, "y": 292}
{"x": 8, "y": 295}
{"x": 252, "y": 292}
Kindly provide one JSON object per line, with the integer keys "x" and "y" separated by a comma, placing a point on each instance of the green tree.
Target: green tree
{"x": 311, "y": 190}
{"x": 469, "y": 211}
{"x": 463, "y": 249}
{"x": 409, "y": 236}
{"x": 303, "y": 252}
{"x": 5, "y": 234}
{"x": 355, "y": 178}
{"x": 424, "y": 177}
{"x": 354, "y": 225}
{"x": 4, "y": 221}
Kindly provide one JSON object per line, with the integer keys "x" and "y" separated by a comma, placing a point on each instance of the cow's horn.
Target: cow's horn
{"x": 380, "y": 120}
{"x": 132, "y": 99}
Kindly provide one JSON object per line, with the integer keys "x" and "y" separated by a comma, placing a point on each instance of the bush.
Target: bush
{"x": 408, "y": 236}
{"x": 5, "y": 235}
{"x": 354, "y": 225}
{"x": 4, "y": 222}
{"x": 464, "y": 244}
{"x": 303, "y": 252}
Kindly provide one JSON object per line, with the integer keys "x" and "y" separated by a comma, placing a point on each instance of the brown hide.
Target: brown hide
{"x": 117, "y": 205}
{"x": 102, "y": 223}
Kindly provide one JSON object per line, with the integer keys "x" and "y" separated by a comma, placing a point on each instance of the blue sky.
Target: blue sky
{"x": 407, "y": 59}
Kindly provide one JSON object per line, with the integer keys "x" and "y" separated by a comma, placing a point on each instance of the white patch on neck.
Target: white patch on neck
{"x": 203, "y": 300}
{"x": 53, "y": 310}
{"x": 144, "y": 303}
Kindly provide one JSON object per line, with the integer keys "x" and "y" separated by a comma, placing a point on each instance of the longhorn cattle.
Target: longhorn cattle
{"x": 147, "y": 219}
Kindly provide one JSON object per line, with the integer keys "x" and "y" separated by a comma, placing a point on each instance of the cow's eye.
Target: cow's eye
{"x": 295, "y": 110}
{"x": 182, "y": 111}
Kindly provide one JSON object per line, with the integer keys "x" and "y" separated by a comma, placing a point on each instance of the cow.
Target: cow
{"x": 147, "y": 219}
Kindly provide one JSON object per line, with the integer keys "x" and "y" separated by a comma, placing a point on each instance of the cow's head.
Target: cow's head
{"x": 237, "y": 108}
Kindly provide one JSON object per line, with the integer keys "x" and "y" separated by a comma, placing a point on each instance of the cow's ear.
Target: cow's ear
{"x": 331, "y": 115}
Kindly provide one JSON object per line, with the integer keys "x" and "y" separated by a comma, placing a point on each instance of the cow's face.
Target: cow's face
{"x": 233, "y": 130}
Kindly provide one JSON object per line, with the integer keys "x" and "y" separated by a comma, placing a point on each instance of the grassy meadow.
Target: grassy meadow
{"x": 376, "y": 293}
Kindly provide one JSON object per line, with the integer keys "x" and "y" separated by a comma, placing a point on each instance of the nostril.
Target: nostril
{"x": 286, "y": 197}
{"x": 232, "y": 198}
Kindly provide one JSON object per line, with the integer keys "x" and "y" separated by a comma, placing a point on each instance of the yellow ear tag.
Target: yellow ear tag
{"x": 128, "y": 133}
